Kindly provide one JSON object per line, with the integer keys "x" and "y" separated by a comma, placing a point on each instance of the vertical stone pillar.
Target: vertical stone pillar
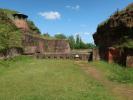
{"x": 95, "y": 55}
{"x": 113, "y": 55}
{"x": 110, "y": 55}
{"x": 129, "y": 61}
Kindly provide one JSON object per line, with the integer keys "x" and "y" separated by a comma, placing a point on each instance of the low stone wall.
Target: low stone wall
{"x": 95, "y": 54}
{"x": 64, "y": 56}
{"x": 114, "y": 55}
{"x": 34, "y": 44}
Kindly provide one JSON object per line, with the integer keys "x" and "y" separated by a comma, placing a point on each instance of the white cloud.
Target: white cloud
{"x": 82, "y": 33}
{"x": 77, "y": 7}
{"x": 52, "y": 15}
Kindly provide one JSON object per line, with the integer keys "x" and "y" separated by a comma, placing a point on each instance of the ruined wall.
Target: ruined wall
{"x": 34, "y": 44}
{"x": 71, "y": 56}
{"x": 95, "y": 54}
{"x": 115, "y": 55}
{"x": 129, "y": 57}
{"x": 57, "y": 46}
{"x": 30, "y": 44}
{"x": 21, "y": 24}
{"x": 117, "y": 30}
{"x": 114, "y": 35}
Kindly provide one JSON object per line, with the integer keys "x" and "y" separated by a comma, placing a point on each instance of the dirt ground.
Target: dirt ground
{"x": 122, "y": 91}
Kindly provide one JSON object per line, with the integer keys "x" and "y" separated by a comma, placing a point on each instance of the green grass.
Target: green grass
{"x": 25, "y": 78}
{"x": 115, "y": 72}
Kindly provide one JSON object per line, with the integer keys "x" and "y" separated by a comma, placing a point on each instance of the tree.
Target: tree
{"x": 82, "y": 45}
{"x": 77, "y": 39}
{"x": 71, "y": 41}
{"x": 77, "y": 45}
{"x": 90, "y": 45}
{"x": 60, "y": 36}
{"x": 46, "y": 35}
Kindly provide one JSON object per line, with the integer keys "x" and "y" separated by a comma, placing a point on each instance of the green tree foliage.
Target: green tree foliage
{"x": 81, "y": 45}
{"x": 46, "y": 35}
{"x": 33, "y": 28}
{"x": 71, "y": 41}
{"x": 90, "y": 45}
{"x": 60, "y": 36}
{"x": 77, "y": 43}
{"x": 78, "y": 40}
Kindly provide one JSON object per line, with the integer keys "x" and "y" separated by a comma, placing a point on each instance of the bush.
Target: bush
{"x": 33, "y": 28}
{"x": 60, "y": 36}
{"x": 10, "y": 36}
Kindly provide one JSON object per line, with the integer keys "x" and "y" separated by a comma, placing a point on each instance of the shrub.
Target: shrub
{"x": 10, "y": 36}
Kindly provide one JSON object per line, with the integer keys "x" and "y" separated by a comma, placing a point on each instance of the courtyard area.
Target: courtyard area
{"x": 26, "y": 78}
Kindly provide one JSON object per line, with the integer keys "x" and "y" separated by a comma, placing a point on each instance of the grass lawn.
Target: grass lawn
{"x": 115, "y": 72}
{"x": 25, "y": 78}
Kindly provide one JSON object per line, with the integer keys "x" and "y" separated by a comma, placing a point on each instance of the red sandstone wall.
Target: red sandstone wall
{"x": 57, "y": 46}
{"x": 21, "y": 24}
{"x": 113, "y": 55}
{"x": 35, "y": 44}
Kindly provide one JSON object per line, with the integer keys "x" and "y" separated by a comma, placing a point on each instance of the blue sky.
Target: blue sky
{"x": 67, "y": 16}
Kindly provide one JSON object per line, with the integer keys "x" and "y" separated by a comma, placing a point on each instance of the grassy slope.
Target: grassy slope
{"x": 31, "y": 79}
{"x": 115, "y": 72}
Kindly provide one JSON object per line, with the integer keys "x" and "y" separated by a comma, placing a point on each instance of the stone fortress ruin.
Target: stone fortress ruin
{"x": 33, "y": 44}
{"x": 116, "y": 47}
{"x": 117, "y": 31}
{"x": 20, "y": 21}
